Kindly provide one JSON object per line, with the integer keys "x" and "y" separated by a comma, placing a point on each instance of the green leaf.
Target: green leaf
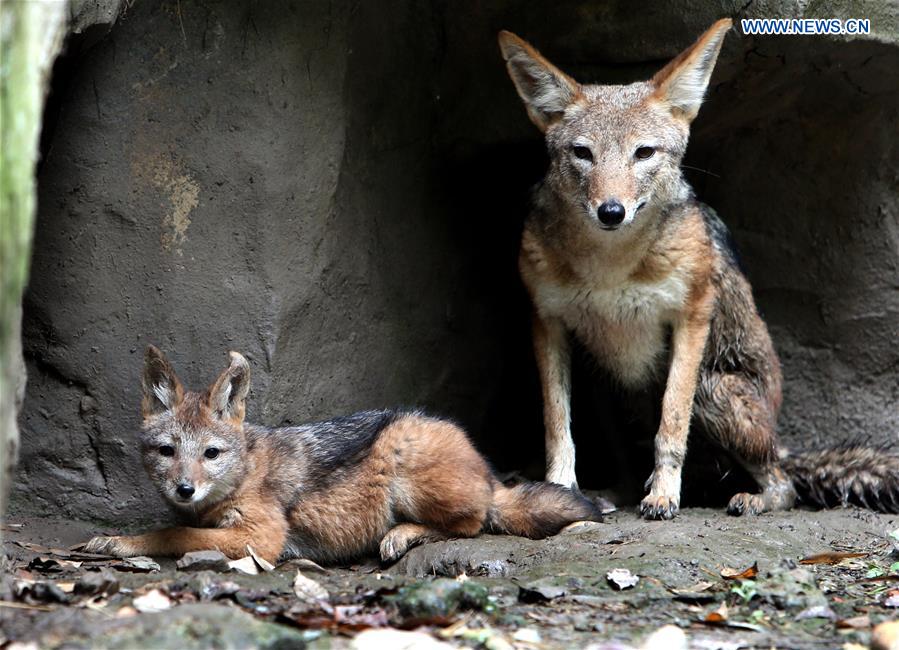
{"x": 875, "y": 572}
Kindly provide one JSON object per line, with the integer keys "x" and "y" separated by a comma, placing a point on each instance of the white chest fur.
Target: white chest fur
{"x": 624, "y": 325}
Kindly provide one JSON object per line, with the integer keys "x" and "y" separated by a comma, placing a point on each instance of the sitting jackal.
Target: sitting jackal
{"x": 618, "y": 252}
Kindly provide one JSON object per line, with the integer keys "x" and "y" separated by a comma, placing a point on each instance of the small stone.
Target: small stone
{"x": 527, "y": 635}
{"x": 441, "y": 597}
{"x": 622, "y": 579}
{"x": 668, "y": 637}
{"x": 892, "y": 599}
{"x": 152, "y": 601}
{"x": 885, "y": 636}
{"x": 817, "y": 611}
{"x": 100, "y": 582}
{"x": 203, "y": 561}
{"x": 88, "y": 405}
{"x": 540, "y": 591}
{"x": 399, "y": 639}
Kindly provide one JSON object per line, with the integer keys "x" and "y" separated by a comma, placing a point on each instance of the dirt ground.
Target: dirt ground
{"x": 697, "y": 573}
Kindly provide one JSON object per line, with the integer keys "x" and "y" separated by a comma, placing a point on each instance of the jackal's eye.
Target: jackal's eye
{"x": 166, "y": 450}
{"x": 211, "y": 453}
{"x": 582, "y": 152}
{"x": 644, "y": 153}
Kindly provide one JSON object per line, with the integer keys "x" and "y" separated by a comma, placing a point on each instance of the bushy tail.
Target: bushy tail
{"x": 537, "y": 510}
{"x": 850, "y": 474}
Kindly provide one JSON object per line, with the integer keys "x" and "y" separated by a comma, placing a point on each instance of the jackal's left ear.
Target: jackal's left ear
{"x": 228, "y": 394}
{"x": 545, "y": 90}
{"x": 681, "y": 84}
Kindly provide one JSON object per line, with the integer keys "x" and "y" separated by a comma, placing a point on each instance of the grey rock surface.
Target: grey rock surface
{"x": 337, "y": 191}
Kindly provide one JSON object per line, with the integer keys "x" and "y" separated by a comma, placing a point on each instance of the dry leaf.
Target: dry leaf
{"x": 152, "y": 601}
{"x": 309, "y": 591}
{"x": 718, "y": 616}
{"x": 892, "y": 598}
{"x": 245, "y": 565}
{"x": 264, "y": 564}
{"x": 303, "y": 564}
{"x": 52, "y": 565}
{"x": 578, "y": 527}
{"x": 854, "y": 623}
{"x": 736, "y": 574}
{"x": 71, "y": 554}
{"x": 622, "y": 579}
{"x": 136, "y": 564}
{"x": 831, "y": 557}
{"x": 697, "y": 595}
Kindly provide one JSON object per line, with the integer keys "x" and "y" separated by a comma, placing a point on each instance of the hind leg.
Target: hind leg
{"x": 738, "y": 414}
{"x": 442, "y": 486}
{"x": 400, "y": 539}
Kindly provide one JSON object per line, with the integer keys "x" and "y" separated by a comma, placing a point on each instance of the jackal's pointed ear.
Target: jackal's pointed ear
{"x": 681, "y": 84}
{"x": 545, "y": 90}
{"x": 162, "y": 390}
{"x": 227, "y": 396}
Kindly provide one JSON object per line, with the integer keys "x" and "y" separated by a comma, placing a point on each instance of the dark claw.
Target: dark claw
{"x": 659, "y": 512}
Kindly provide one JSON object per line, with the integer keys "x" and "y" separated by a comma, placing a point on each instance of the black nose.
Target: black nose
{"x": 610, "y": 213}
{"x": 185, "y": 491}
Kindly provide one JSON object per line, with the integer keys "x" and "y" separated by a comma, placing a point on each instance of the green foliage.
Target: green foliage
{"x": 745, "y": 590}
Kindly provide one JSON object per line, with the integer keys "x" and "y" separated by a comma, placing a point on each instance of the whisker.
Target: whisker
{"x": 704, "y": 171}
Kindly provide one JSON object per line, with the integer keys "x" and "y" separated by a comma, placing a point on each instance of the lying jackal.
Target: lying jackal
{"x": 328, "y": 491}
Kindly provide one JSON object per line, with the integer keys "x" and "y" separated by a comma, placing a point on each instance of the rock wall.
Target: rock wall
{"x": 337, "y": 191}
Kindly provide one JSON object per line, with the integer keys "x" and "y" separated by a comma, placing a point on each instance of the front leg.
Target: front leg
{"x": 688, "y": 345}
{"x": 267, "y": 541}
{"x": 554, "y": 364}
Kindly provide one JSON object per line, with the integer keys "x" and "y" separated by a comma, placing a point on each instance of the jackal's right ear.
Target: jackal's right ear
{"x": 545, "y": 90}
{"x": 227, "y": 396}
{"x": 162, "y": 390}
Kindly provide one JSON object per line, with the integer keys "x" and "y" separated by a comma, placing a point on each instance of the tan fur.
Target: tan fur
{"x": 655, "y": 295}
{"x": 408, "y": 479}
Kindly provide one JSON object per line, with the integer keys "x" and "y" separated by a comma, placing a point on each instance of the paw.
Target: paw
{"x": 744, "y": 503}
{"x": 659, "y": 507}
{"x": 115, "y": 546}
{"x": 393, "y": 546}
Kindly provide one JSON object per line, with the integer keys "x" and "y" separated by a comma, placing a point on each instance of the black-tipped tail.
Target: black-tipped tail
{"x": 851, "y": 474}
{"x": 537, "y": 510}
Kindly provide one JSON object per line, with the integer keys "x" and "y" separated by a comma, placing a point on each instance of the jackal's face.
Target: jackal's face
{"x": 615, "y": 151}
{"x": 192, "y": 444}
